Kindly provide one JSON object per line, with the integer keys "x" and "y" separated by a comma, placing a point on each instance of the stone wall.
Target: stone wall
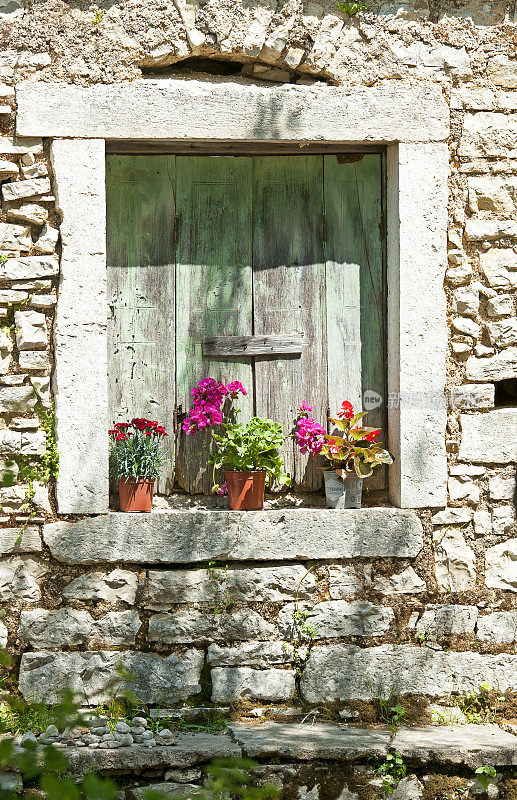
{"x": 439, "y": 618}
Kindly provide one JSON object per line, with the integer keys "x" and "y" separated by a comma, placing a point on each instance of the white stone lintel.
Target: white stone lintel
{"x": 223, "y": 109}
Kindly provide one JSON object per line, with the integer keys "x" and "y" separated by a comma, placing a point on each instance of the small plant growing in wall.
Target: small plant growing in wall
{"x": 221, "y": 591}
{"x": 351, "y": 9}
{"x": 302, "y": 634}
{"x": 485, "y": 775}
{"x": 393, "y": 770}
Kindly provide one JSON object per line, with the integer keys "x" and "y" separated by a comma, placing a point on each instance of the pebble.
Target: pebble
{"x": 99, "y": 731}
{"x": 139, "y": 722}
{"x": 122, "y": 727}
{"x": 89, "y": 738}
{"x": 51, "y": 731}
{"x": 28, "y": 737}
{"x": 125, "y": 739}
{"x": 137, "y": 730}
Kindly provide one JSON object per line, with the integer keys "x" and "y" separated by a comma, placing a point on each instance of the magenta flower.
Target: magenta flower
{"x": 309, "y": 435}
{"x": 222, "y": 489}
{"x": 304, "y": 410}
{"x": 209, "y": 396}
{"x": 236, "y": 386}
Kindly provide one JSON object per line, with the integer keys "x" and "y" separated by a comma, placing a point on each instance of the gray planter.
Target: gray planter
{"x": 342, "y": 492}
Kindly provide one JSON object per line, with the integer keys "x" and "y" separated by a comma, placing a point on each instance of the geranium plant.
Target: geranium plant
{"x": 251, "y": 446}
{"x": 357, "y": 450}
{"x": 136, "y": 449}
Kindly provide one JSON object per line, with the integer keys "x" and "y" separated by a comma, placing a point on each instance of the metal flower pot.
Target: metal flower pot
{"x": 342, "y": 492}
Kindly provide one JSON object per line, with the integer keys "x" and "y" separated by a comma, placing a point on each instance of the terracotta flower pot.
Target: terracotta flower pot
{"x": 136, "y": 495}
{"x": 246, "y": 490}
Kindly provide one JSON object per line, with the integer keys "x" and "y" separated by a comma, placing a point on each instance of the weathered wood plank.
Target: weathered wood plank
{"x": 231, "y": 346}
{"x": 289, "y": 293}
{"x": 355, "y": 286}
{"x": 214, "y": 285}
{"x": 141, "y": 319}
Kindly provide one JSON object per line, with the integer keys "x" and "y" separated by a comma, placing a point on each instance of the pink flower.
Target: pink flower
{"x": 304, "y": 410}
{"x": 236, "y": 387}
{"x": 222, "y": 489}
{"x": 309, "y": 435}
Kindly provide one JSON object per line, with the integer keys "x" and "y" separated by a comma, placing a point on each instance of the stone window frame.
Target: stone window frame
{"x": 411, "y": 123}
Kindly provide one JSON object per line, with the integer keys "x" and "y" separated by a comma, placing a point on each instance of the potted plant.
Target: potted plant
{"x": 136, "y": 459}
{"x": 349, "y": 458}
{"x": 248, "y": 452}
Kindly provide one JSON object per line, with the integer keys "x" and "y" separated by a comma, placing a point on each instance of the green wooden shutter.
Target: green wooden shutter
{"x": 355, "y": 284}
{"x": 214, "y": 287}
{"x": 140, "y": 258}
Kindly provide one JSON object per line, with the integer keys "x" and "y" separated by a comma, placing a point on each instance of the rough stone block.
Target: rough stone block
{"x": 343, "y": 582}
{"x": 20, "y": 540}
{"x": 495, "y": 368}
{"x": 501, "y": 566}
{"x": 494, "y": 194}
{"x": 271, "y": 584}
{"x": 472, "y": 397}
{"x": 487, "y": 438}
{"x": 19, "y": 269}
{"x": 19, "y": 579}
{"x": 310, "y": 742}
{"x": 503, "y": 333}
{"x": 449, "y": 620}
{"x": 93, "y": 676}
{"x": 455, "y": 561}
{"x": 200, "y": 627}
{"x": 69, "y": 627}
{"x": 19, "y": 190}
{"x": 16, "y": 399}
{"x": 489, "y": 134}
{"x": 30, "y": 360}
{"x": 334, "y": 618}
{"x": 481, "y": 230}
{"x": 15, "y": 237}
{"x": 501, "y": 487}
{"x": 231, "y": 683}
{"x": 189, "y": 537}
{"x": 452, "y": 516}
{"x": 405, "y": 582}
{"x": 31, "y": 330}
{"x": 500, "y": 306}
{"x": 346, "y": 672}
{"x": 29, "y": 212}
{"x": 117, "y": 585}
{"x": 499, "y": 266}
{"x": 504, "y": 520}
{"x": 250, "y": 654}
{"x": 503, "y": 71}
{"x": 498, "y": 628}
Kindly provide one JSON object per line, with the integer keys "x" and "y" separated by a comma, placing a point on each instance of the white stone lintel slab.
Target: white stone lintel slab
{"x": 222, "y": 109}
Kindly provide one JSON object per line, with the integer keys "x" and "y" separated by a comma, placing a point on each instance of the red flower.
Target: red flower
{"x": 121, "y": 437}
{"x": 122, "y": 426}
{"x": 113, "y": 432}
{"x": 161, "y": 430}
{"x": 371, "y": 437}
{"x": 347, "y": 410}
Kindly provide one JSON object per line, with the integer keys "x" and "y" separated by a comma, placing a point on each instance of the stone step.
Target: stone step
{"x": 460, "y": 745}
{"x": 191, "y": 536}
